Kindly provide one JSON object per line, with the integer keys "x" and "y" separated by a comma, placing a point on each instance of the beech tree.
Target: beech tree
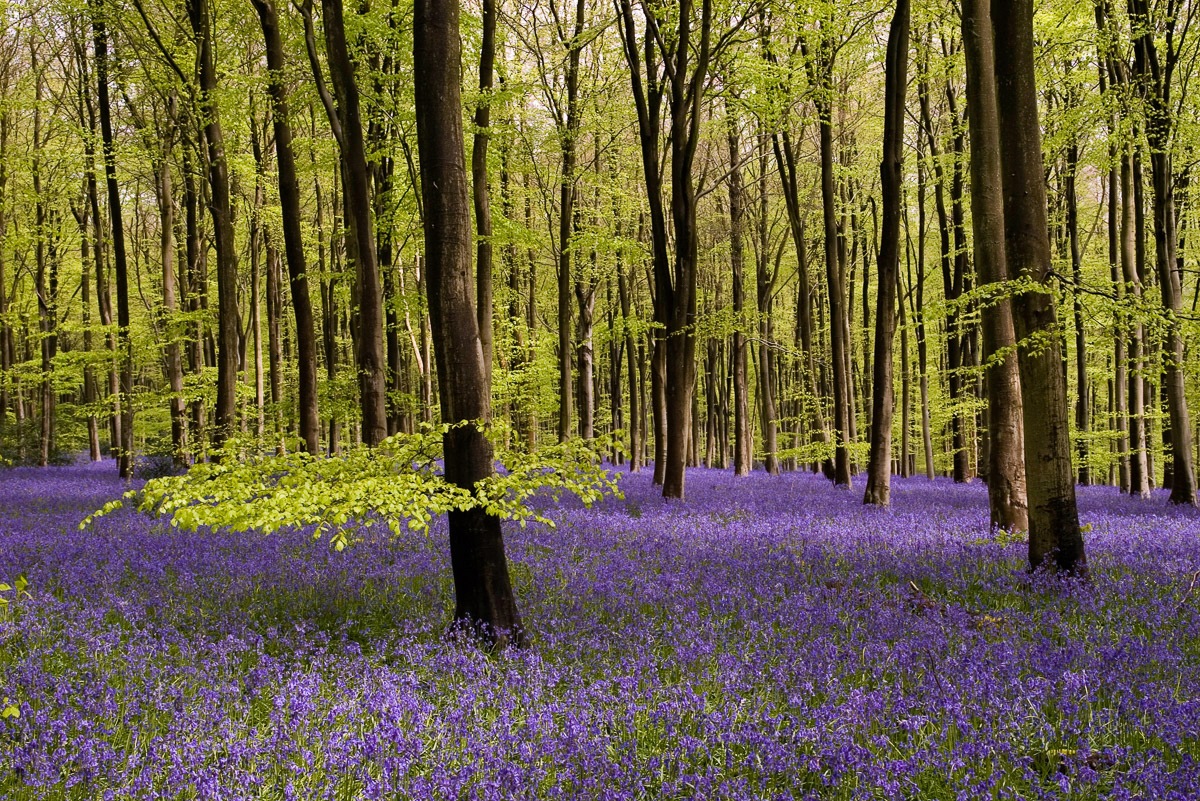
{"x": 1006, "y": 466}
{"x": 483, "y": 590}
{"x": 879, "y": 464}
{"x": 1055, "y": 538}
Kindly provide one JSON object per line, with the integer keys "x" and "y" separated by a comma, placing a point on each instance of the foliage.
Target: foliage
{"x": 8, "y": 708}
{"x": 399, "y": 483}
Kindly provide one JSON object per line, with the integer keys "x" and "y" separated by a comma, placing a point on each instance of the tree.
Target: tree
{"x": 100, "y": 43}
{"x": 891, "y": 170}
{"x": 485, "y": 600}
{"x": 1153, "y": 78}
{"x": 293, "y": 241}
{"x": 221, "y": 209}
{"x": 1055, "y": 538}
{"x": 1006, "y": 467}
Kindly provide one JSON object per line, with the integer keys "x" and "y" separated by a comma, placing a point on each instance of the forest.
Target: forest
{"x": 631, "y": 399}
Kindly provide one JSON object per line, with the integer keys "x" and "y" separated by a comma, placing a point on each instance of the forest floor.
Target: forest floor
{"x": 768, "y": 638}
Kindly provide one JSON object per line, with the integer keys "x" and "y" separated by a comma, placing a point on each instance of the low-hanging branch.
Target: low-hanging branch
{"x": 398, "y": 483}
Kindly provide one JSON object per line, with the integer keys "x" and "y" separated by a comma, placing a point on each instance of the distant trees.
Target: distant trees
{"x": 650, "y": 189}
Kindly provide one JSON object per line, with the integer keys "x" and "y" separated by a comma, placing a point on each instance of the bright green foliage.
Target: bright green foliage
{"x": 8, "y": 708}
{"x": 398, "y": 483}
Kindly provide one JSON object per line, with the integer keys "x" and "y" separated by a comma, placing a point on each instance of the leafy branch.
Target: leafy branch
{"x": 399, "y": 483}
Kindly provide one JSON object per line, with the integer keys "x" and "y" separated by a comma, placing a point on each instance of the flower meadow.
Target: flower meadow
{"x": 768, "y": 638}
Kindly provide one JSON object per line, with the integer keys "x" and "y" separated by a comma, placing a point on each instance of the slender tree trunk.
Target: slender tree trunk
{"x": 1082, "y": 416}
{"x": 293, "y": 238}
{"x": 370, "y": 358}
{"x": 891, "y": 173}
{"x": 5, "y": 327}
{"x": 46, "y": 311}
{"x": 636, "y": 446}
{"x": 194, "y": 296}
{"x": 479, "y": 185}
{"x": 220, "y": 206}
{"x": 765, "y": 285}
{"x": 171, "y": 349}
{"x": 1110, "y": 74}
{"x": 785, "y": 160}
{"x": 1154, "y": 82}
{"x": 568, "y": 129}
{"x": 743, "y": 454}
{"x": 100, "y": 42}
{"x": 837, "y": 296}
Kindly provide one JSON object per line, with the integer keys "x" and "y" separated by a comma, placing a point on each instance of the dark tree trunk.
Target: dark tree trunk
{"x": 765, "y": 286}
{"x": 46, "y": 307}
{"x": 1006, "y": 466}
{"x": 686, "y": 62}
{"x": 1054, "y": 533}
{"x": 1153, "y": 77}
{"x": 837, "y": 299}
{"x": 171, "y": 350}
{"x": 1082, "y": 416}
{"x": 918, "y": 295}
{"x": 743, "y": 453}
{"x": 360, "y": 230}
{"x": 293, "y": 239}
{"x": 479, "y": 186}
{"x": 891, "y": 173}
{"x": 220, "y": 206}
{"x": 1111, "y": 77}
{"x": 624, "y": 291}
{"x": 5, "y": 328}
{"x": 100, "y": 42}
{"x": 485, "y": 601}
{"x": 568, "y": 129}
{"x": 785, "y": 160}
{"x": 194, "y": 296}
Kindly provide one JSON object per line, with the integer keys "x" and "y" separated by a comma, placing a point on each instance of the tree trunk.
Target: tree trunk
{"x": 1082, "y": 416}
{"x": 765, "y": 286}
{"x": 171, "y": 350}
{"x": 220, "y": 206}
{"x": 194, "y": 296}
{"x": 485, "y": 601}
{"x": 631, "y": 350}
{"x": 479, "y": 186}
{"x": 370, "y": 358}
{"x": 100, "y": 42}
{"x": 568, "y": 128}
{"x": 1055, "y": 538}
{"x": 891, "y": 173}
{"x": 1154, "y": 82}
{"x": 293, "y": 238}
{"x": 743, "y": 454}
{"x": 46, "y": 308}
{"x": 1007, "y": 502}
{"x": 837, "y": 295}
{"x": 785, "y": 160}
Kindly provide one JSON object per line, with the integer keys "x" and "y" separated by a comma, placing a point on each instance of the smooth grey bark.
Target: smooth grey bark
{"x": 1007, "y": 501}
